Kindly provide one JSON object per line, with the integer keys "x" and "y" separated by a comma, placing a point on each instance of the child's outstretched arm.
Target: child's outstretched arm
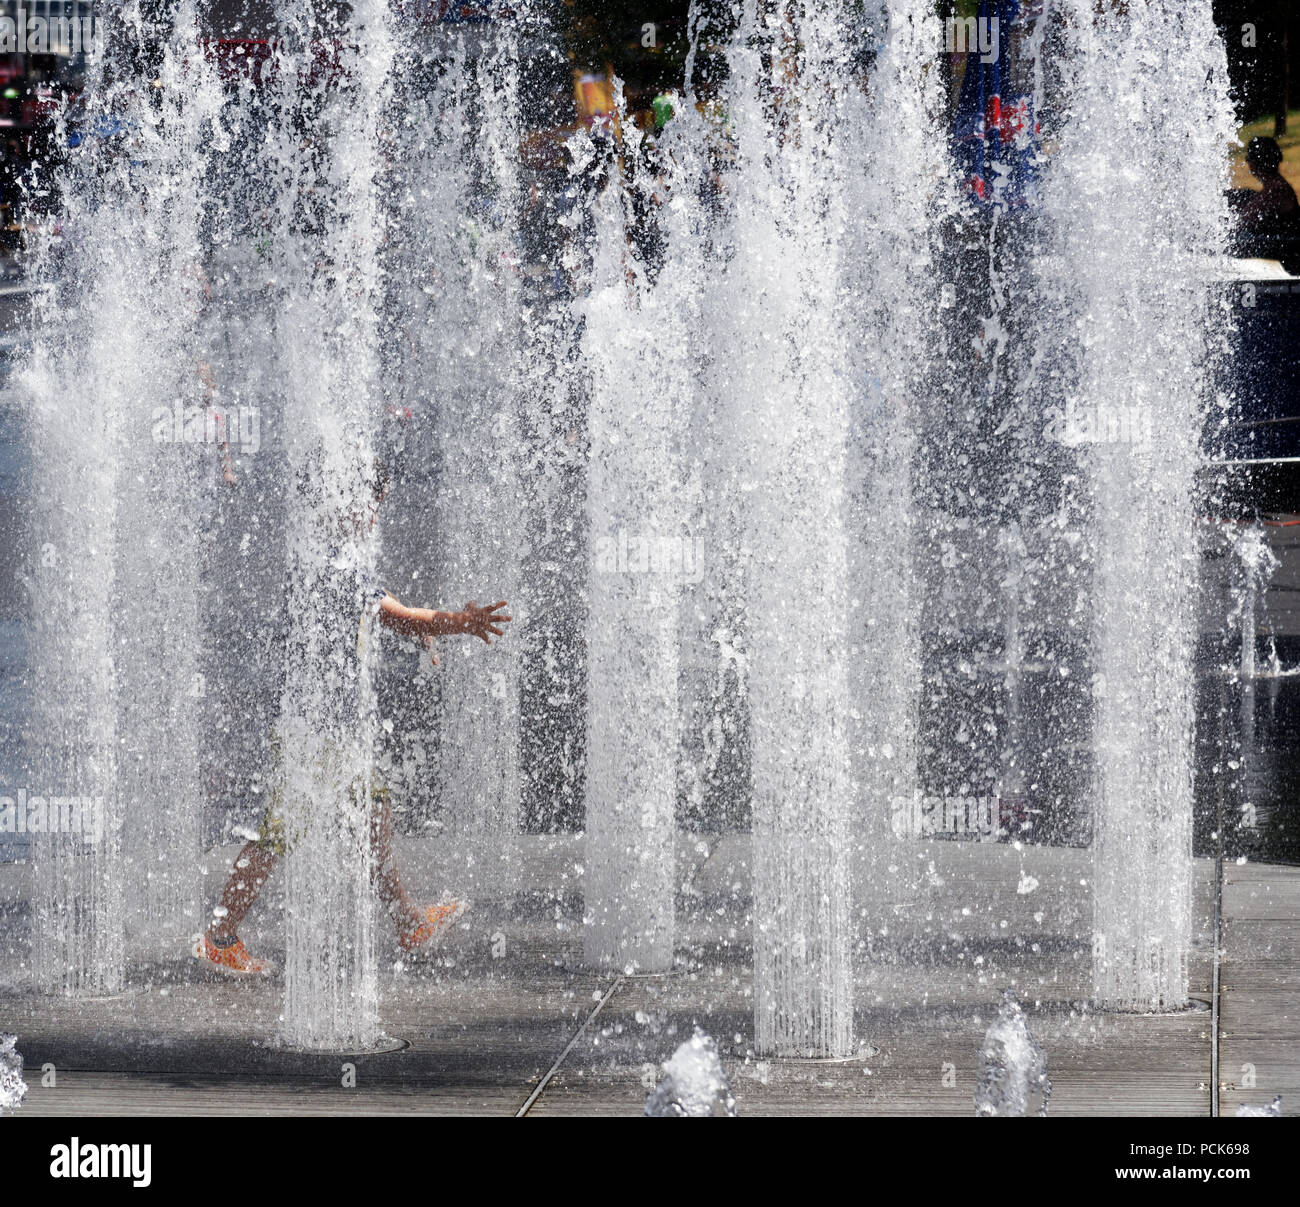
{"x": 473, "y": 621}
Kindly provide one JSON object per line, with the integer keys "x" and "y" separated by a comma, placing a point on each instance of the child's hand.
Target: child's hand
{"x": 479, "y": 622}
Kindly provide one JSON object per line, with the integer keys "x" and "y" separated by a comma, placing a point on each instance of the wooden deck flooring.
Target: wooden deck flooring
{"x": 483, "y": 1030}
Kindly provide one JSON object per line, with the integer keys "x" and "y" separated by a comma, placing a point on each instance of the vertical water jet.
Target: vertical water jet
{"x": 108, "y": 378}
{"x": 479, "y": 502}
{"x": 333, "y": 89}
{"x": 1138, "y": 228}
{"x": 636, "y": 535}
{"x": 893, "y": 300}
{"x": 789, "y": 376}
{"x": 174, "y": 428}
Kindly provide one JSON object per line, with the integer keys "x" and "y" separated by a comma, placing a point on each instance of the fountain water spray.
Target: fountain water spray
{"x": 1257, "y": 565}
{"x": 895, "y": 306}
{"x": 328, "y": 327}
{"x": 1012, "y": 1066}
{"x": 636, "y": 534}
{"x": 694, "y": 1084}
{"x": 715, "y": 763}
{"x": 825, "y": 223}
{"x": 159, "y": 684}
{"x": 1136, "y": 198}
{"x": 785, "y": 370}
{"x": 465, "y": 320}
{"x": 825, "y": 436}
{"x": 111, "y": 381}
{"x": 13, "y": 1089}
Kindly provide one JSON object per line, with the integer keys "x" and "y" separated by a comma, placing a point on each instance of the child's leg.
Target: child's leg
{"x": 253, "y": 866}
{"x": 388, "y": 885}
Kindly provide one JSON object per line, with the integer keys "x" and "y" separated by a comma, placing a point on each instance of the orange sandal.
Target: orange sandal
{"x": 231, "y": 960}
{"x": 438, "y": 919}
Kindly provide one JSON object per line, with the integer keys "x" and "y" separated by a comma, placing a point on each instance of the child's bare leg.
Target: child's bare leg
{"x": 253, "y": 866}
{"x": 388, "y": 884}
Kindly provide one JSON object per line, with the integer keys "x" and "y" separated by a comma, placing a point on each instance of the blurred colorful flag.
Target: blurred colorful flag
{"x": 593, "y": 94}
{"x": 995, "y": 134}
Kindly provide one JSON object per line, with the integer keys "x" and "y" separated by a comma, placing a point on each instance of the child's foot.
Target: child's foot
{"x": 436, "y": 921}
{"x": 228, "y": 957}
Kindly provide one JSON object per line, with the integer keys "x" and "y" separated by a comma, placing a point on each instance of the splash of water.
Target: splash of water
{"x": 694, "y": 1085}
{"x": 13, "y": 1089}
{"x": 826, "y": 223}
{"x": 1272, "y": 1111}
{"x": 1013, "y": 1067}
{"x": 159, "y": 683}
{"x": 1257, "y": 566}
{"x": 715, "y": 754}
